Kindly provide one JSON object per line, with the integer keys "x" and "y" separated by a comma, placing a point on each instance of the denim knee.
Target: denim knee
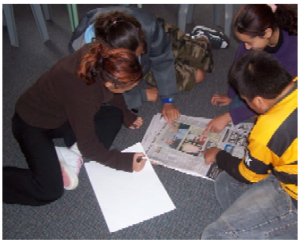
{"x": 222, "y": 180}
{"x": 228, "y": 189}
{"x": 218, "y": 230}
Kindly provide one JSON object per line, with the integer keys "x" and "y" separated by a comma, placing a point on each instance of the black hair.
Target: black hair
{"x": 120, "y": 30}
{"x": 254, "y": 19}
{"x": 258, "y": 73}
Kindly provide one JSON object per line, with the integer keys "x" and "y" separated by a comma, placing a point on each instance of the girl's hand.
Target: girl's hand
{"x": 137, "y": 123}
{"x": 170, "y": 112}
{"x": 220, "y": 100}
{"x": 138, "y": 166}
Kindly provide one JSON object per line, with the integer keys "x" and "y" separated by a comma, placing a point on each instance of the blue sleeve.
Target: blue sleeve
{"x": 89, "y": 34}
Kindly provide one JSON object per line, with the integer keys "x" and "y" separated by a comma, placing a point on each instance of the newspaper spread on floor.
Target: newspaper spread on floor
{"x": 179, "y": 147}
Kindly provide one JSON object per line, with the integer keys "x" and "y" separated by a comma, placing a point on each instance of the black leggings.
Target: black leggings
{"x": 42, "y": 183}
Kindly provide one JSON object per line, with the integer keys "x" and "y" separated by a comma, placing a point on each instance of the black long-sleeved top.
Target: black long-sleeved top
{"x": 59, "y": 96}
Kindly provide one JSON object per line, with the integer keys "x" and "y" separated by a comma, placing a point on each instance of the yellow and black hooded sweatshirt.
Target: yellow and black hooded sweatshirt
{"x": 272, "y": 147}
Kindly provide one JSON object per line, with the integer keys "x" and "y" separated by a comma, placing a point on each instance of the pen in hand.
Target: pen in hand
{"x": 139, "y": 159}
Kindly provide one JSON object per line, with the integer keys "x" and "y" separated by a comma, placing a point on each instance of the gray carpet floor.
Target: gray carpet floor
{"x": 77, "y": 214}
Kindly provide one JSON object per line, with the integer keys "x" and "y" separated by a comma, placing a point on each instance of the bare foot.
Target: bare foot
{"x": 200, "y": 75}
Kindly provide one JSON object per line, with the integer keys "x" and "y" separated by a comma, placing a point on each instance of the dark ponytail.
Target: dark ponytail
{"x": 120, "y": 30}
{"x": 254, "y": 19}
{"x": 90, "y": 63}
{"x": 286, "y": 18}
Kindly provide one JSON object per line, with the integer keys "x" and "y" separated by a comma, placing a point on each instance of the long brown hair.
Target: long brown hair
{"x": 117, "y": 65}
{"x": 120, "y": 30}
{"x": 254, "y": 19}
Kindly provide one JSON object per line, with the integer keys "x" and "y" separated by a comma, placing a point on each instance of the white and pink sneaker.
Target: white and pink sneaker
{"x": 74, "y": 148}
{"x": 70, "y": 164}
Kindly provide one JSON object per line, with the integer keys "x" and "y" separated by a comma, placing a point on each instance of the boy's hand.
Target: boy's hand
{"x": 170, "y": 112}
{"x": 210, "y": 155}
{"x": 218, "y": 123}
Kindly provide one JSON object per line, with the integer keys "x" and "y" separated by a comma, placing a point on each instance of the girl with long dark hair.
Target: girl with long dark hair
{"x": 264, "y": 27}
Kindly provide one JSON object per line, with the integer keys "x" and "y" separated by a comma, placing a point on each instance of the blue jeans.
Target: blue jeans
{"x": 262, "y": 210}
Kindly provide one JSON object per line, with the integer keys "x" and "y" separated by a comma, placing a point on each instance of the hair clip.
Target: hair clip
{"x": 100, "y": 60}
{"x": 116, "y": 21}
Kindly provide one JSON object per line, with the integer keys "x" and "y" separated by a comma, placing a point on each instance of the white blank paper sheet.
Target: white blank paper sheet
{"x": 128, "y": 198}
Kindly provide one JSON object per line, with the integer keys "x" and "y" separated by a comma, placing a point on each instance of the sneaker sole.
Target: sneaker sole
{"x": 212, "y": 31}
{"x": 206, "y": 28}
{"x": 73, "y": 177}
{"x": 222, "y": 35}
